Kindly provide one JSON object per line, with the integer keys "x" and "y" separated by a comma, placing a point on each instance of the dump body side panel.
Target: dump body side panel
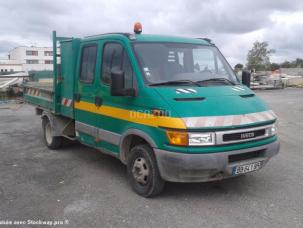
{"x": 39, "y": 94}
{"x": 42, "y": 93}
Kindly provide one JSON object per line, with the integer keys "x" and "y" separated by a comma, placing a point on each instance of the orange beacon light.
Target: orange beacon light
{"x": 138, "y": 28}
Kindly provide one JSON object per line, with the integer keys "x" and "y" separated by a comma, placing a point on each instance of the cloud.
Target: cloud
{"x": 5, "y": 46}
{"x": 234, "y": 25}
{"x": 28, "y": 17}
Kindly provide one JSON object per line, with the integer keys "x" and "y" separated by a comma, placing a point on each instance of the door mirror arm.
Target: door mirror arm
{"x": 130, "y": 92}
{"x": 117, "y": 84}
{"x": 246, "y": 78}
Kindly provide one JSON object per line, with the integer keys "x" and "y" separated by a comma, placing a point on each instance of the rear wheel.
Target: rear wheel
{"x": 143, "y": 172}
{"x": 52, "y": 142}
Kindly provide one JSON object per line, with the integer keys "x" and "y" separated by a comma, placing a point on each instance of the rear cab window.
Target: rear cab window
{"x": 88, "y": 63}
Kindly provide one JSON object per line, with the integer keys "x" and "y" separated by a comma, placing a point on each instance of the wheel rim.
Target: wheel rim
{"x": 140, "y": 171}
{"x": 48, "y": 133}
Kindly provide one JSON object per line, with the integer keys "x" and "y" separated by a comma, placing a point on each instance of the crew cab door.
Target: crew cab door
{"x": 111, "y": 124}
{"x": 85, "y": 93}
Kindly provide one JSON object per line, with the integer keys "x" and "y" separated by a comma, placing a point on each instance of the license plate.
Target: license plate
{"x": 246, "y": 168}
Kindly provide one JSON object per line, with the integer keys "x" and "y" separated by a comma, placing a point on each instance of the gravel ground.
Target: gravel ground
{"x": 81, "y": 187}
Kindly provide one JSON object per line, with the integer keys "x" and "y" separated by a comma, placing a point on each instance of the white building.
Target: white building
{"x": 33, "y": 58}
{"x": 8, "y": 65}
{"x": 27, "y": 59}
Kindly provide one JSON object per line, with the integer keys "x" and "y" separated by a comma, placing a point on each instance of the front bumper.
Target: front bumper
{"x": 181, "y": 167}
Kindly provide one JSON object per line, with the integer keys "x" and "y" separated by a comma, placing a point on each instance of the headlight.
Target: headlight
{"x": 201, "y": 139}
{"x": 181, "y": 138}
{"x": 272, "y": 130}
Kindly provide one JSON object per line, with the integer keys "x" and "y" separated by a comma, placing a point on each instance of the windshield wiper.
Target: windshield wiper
{"x": 176, "y": 82}
{"x": 218, "y": 80}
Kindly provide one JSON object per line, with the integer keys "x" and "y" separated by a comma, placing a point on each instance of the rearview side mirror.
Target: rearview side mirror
{"x": 246, "y": 78}
{"x": 117, "y": 85}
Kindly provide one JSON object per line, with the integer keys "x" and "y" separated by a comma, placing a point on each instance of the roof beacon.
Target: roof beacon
{"x": 138, "y": 28}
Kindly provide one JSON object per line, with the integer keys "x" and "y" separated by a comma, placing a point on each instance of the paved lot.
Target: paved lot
{"x": 89, "y": 189}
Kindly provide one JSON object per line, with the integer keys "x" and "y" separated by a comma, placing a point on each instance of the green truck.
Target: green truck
{"x": 169, "y": 108}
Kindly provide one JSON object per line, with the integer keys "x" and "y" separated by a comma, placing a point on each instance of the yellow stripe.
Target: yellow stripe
{"x": 132, "y": 116}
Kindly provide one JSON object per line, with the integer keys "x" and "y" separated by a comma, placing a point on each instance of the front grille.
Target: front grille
{"x": 243, "y": 135}
{"x": 245, "y": 156}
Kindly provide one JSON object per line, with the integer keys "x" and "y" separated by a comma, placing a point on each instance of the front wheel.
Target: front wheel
{"x": 52, "y": 142}
{"x": 143, "y": 172}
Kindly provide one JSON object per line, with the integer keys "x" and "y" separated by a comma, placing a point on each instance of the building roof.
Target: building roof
{"x": 31, "y": 48}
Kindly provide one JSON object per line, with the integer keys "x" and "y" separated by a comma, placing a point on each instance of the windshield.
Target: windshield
{"x": 176, "y": 62}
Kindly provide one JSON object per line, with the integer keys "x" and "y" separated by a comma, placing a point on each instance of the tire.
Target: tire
{"x": 52, "y": 142}
{"x": 143, "y": 172}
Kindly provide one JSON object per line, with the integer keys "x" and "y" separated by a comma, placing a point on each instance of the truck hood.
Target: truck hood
{"x": 212, "y": 101}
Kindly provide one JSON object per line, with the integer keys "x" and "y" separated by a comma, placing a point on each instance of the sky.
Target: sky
{"x": 233, "y": 25}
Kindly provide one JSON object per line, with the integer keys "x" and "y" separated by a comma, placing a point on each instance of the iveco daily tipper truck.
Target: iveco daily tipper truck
{"x": 170, "y": 108}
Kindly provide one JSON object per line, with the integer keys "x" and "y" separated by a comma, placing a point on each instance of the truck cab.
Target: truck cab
{"x": 169, "y": 108}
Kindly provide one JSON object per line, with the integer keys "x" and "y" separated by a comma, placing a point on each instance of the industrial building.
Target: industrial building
{"x": 28, "y": 59}
{"x": 8, "y": 65}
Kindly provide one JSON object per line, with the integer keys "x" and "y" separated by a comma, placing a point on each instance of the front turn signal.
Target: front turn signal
{"x": 177, "y": 138}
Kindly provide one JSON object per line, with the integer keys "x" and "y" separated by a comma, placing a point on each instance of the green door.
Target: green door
{"x": 86, "y": 93}
{"x": 114, "y": 56}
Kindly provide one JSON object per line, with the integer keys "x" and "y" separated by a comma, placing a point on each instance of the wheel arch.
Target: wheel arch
{"x": 47, "y": 116}
{"x": 131, "y": 136}
{"x": 63, "y": 126}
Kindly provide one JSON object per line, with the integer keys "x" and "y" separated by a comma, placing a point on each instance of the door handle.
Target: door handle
{"x": 77, "y": 97}
{"x": 98, "y": 101}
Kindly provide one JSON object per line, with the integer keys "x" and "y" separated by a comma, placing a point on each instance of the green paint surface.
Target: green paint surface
{"x": 217, "y": 100}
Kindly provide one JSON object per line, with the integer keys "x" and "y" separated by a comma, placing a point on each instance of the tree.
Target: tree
{"x": 293, "y": 64}
{"x": 286, "y": 64}
{"x": 258, "y": 56}
{"x": 274, "y": 66}
{"x": 299, "y": 62}
{"x": 239, "y": 66}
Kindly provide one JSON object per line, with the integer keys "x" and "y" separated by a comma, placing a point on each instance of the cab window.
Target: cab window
{"x": 88, "y": 63}
{"x": 115, "y": 57}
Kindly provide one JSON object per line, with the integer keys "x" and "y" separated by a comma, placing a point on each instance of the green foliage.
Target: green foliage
{"x": 286, "y": 64}
{"x": 239, "y": 66}
{"x": 258, "y": 56}
{"x": 274, "y": 66}
{"x": 293, "y": 64}
{"x": 298, "y": 63}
